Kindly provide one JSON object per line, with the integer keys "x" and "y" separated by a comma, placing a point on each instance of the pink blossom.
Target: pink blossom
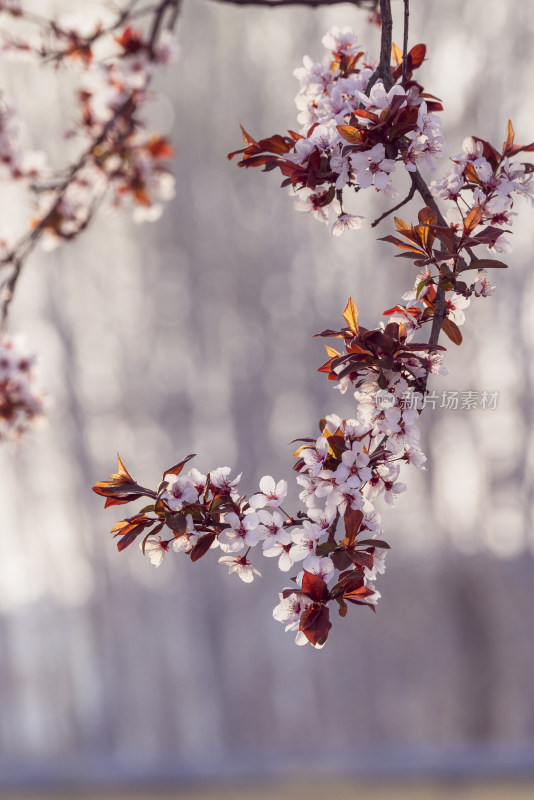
{"x": 241, "y": 567}
{"x": 242, "y": 531}
{"x": 155, "y": 549}
{"x": 272, "y": 494}
{"x": 346, "y": 222}
{"x": 180, "y": 491}
{"x": 372, "y": 167}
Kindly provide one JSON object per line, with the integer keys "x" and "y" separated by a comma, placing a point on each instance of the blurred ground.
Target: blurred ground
{"x": 423, "y": 790}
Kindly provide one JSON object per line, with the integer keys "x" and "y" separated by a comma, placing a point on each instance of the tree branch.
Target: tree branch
{"x": 383, "y": 71}
{"x": 124, "y": 114}
{"x": 439, "y": 305}
{"x": 427, "y": 196}
{"x": 8, "y": 290}
{"x": 368, "y": 4}
{"x": 159, "y": 16}
{"x": 405, "y": 42}
{"x": 395, "y": 208}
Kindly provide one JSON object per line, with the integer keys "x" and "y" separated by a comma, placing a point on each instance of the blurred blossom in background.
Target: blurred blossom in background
{"x": 194, "y": 335}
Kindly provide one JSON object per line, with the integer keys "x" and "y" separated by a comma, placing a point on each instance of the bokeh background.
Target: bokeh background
{"x": 194, "y": 334}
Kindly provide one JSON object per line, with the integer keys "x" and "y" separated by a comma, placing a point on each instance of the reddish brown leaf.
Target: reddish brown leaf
{"x": 361, "y": 558}
{"x": 473, "y": 219}
{"x": 246, "y": 136}
{"x": 353, "y": 520}
{"x": 427, "y": 216}
{"x": 351, "y": 134}
{"x": 417, "y": 55}
{"x": 374, "y": 543}
{"x": 127, "y": 540}
{"x": 256, "y": 160}
{"x": 361, "y": 592}
{"x": 362, "y": 603}
{"x": 341, "y": 561}
{"x": 178, "y": 467}
{"x": 314, "y": 587}
{"x": 403, "y": 246}
{"x": 452, "y": 331}
{"x": 396, "y": 54}
{"x": 315, "y": 623}
{"x": 111, "y": 501}
{"x": 325, "y": 367}
{"x": 402, "y": 226}
{"x": 331, "y": 352}
{"x": 176, "y": 522}
{"x": 402, "y": 310}
{"x": 484, "y": 263}
{"x": 509, "y": 136}
{"x": 446, "y": 237}
{"x": 122, "y": 471}
{"x": 132, "y": 535}
{"x": 126, "y": 525}
{"x": 274, "y": 144}
{"x": 202, "y": 546}
{"x": 356, "y": 348}
{"x": 328, "y": 332}
{"x": 343, "y": 608}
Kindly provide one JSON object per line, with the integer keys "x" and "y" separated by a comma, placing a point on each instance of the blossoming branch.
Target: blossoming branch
{"x": 120, "y": 161}
{"x": 363, "y": 122}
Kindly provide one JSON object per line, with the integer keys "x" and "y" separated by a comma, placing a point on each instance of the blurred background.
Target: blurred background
{"x": 194, "y": 335}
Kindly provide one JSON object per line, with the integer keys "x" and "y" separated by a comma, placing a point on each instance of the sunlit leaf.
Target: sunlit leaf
{"x": 350, "y": 315}
{"x": 179, "y": 467}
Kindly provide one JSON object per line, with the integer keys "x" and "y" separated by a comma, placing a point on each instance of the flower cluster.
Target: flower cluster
{"x": 196, "y": 513}
{"x": 480, "y": 188}
{"x": 354, "y": 132}
{"x": 119, "y": 158}
{"x": 122, "y": 159}
{"x": 482, "y": 182}
{"x": 21, "y": 403}
{"x": 340, "y": 475}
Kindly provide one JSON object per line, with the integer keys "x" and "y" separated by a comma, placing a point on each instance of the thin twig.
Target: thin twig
{"x": 22, "y": 249}
{"x": 405, "y": 42}
{"x": 174, "y": 16}
{"x": 158, "y": 20}
{"x": 126, "y": 108}
{"x": 407, "y": 199}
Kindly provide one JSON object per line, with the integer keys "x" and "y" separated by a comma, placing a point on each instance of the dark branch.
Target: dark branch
{"x": 8, "y": 290}
{"x": 427, "y": 196}
{"x": 368, "y": 4}
{"x": 383, "y": 71}
{"x": 395, "y": 208}
{"x": 405, "y": 43}
{"x": 164, "y": 11}
{"x": 159, "y": 16}
{"x": 439, "y": 306}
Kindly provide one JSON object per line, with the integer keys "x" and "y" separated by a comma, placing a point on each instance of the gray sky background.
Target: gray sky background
{"x": 194, "y": 334}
